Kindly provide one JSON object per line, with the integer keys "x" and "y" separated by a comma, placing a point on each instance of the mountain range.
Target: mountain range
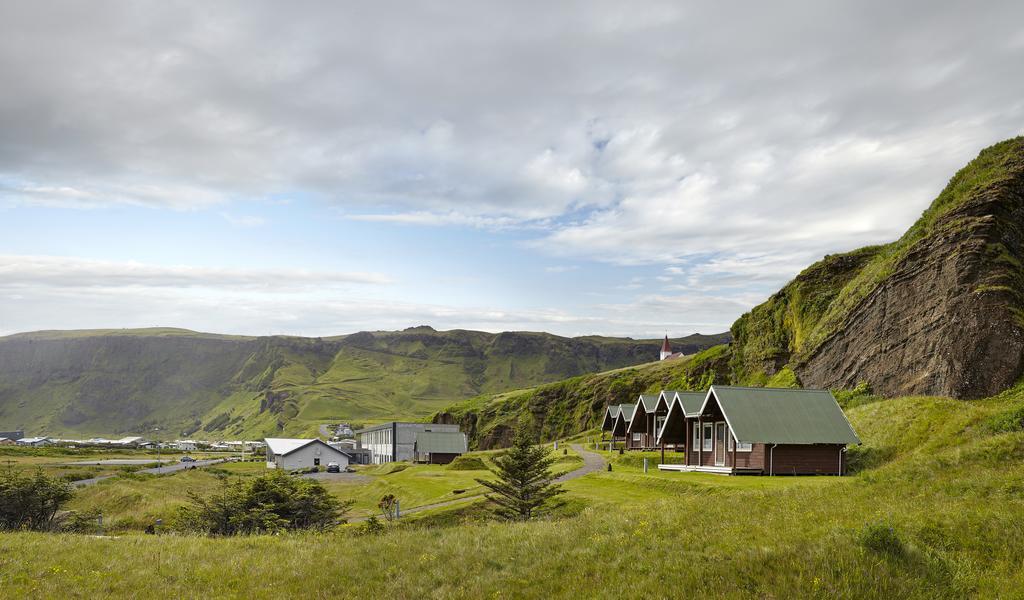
{"x": 184, "y": 383}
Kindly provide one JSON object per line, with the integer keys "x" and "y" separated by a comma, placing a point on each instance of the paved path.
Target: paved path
{"x": 325, "y": 431}
{"x": 180, "y": 466}
{"x": 117, "y": 461}
{"x": 592, "y": 462}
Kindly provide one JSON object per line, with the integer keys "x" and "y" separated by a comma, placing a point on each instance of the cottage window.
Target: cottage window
{"x": 696, "y": 436}
{"x": 659, "y": 425}
{"x": 740, "y": 446}
{"x": 708, "y": 432}
{"x": 636, "y": 437}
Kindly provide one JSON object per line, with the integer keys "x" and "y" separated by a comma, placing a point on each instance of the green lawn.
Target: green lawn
{"x": 945, "y": 477}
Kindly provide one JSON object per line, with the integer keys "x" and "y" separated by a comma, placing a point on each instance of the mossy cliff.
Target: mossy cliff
{"x": 937, "y": 312}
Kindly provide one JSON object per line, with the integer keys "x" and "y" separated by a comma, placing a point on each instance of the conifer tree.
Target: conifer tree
{"x": 524, "y": 488}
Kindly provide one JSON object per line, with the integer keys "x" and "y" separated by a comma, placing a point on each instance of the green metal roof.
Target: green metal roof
{"x": 691, "y": 401}
{"x": 667, "y": 395}
{"x": 649, "y": 402}
{"x": 784, "y": 416}
{"x": 441, "y": 442}
{"x": 625, "y": 416}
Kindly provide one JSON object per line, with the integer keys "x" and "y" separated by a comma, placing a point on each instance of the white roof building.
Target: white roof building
{"x": 34, "y": 441}
{"x": 292, "y": 453}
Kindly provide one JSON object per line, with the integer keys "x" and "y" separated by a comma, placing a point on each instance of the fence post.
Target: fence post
{"x": 645, "y": 464}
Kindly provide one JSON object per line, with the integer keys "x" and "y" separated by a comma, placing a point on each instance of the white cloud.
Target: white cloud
{"x": 48, "y": 272}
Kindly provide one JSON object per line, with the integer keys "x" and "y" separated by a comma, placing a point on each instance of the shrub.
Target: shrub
{"x": 85, "y": 521}
{"x": 372, "y": 526}
{"x": 31, "y": 502}
{"x": 881, "y": 538}
{"x": 266, "y": 504}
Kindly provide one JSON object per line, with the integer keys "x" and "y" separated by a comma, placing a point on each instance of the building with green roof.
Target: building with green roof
{"x": 759, "y": 430}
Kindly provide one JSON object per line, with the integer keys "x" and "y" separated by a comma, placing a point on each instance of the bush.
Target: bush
{"x": 266, "y": 504}
{"x": 372, "y": 526}
{"x": 467, "y": 463}
{"x": 31, "y": 502}
{"x": 881, "y": 538}
{"x": 86, "y": 521}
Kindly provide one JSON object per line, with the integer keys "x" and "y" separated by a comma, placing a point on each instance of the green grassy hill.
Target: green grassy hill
{"x": 564, "y": 408}
{"x": 932, "y": 510}
{"x": 106, "y": 382}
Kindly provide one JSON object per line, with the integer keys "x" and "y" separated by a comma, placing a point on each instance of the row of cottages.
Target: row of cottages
{"x": 739, "y": 430}
{"x": 638, "y": 425}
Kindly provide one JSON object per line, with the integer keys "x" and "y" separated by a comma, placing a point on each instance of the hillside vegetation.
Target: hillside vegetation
{"x": 565, "y": 408}
{"x": 939, "y": 311}
{"x": 107, "y": 382}
{"x": 898, "y": 527}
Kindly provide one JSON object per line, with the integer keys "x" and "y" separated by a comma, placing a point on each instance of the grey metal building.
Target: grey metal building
{"x": 396, "y": 441}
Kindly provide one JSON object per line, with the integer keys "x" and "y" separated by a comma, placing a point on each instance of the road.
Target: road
{"x": 592, "y": 463}
{"x": 325, "y": 432}
{"x": 178, "y": 466}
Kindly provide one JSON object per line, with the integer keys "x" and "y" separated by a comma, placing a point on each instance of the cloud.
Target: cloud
{"x": 254, "y": 310}
{"x": 724, "y": 147}
{"x": 48, "y": 272}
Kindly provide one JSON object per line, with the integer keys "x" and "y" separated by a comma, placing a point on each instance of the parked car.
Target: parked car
{"x": 187, "y": 459}
{"x": 333, "y": 467}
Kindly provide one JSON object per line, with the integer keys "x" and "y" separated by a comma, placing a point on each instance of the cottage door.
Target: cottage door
{"x": 719, "y": 444}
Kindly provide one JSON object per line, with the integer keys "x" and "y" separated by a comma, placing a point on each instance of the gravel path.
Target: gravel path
{"x": 592, "y": 462}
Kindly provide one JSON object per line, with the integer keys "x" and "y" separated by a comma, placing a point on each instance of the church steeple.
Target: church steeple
{"x": 666, "y": 348}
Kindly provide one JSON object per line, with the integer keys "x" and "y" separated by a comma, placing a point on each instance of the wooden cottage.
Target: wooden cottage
{"x": 759, "y": 431}
{"x": 641, "y": 432}
{"x": 622, "y": 421}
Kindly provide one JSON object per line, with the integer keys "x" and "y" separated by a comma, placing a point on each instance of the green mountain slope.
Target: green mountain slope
{"x": 564, "y": 408}
{"x": 106, "y": 382}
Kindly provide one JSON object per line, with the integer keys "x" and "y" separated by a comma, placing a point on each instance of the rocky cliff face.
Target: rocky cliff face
{"x": 939, "y": 312}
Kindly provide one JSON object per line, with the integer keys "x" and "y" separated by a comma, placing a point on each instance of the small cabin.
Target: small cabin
{"x": 737, "y": 430}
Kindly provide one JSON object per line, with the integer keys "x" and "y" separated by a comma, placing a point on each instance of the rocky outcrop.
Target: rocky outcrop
{"x": 938, "y": 312}
{"x": 948, "y": 320}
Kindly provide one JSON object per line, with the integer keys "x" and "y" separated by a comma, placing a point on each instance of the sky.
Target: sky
{"x": 320, "y": 168}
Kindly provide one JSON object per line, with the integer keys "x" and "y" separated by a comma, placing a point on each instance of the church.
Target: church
{"x": 666, "y": 350}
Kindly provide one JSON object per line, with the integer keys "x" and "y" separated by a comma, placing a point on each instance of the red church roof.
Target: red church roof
{"x": 665, "y": 346}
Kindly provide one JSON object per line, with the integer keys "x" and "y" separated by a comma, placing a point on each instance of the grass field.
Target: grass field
{"x": 934, "y": 511}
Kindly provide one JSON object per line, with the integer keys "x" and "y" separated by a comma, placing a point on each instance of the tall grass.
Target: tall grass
{"x": 937, "y": 516}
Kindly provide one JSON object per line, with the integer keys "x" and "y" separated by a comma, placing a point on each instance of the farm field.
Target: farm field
{"x": 896, "y": 528}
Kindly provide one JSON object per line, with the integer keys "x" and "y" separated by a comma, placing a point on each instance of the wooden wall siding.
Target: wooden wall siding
{"x": 755, "y": 458}
{"x": 805, "y": 459}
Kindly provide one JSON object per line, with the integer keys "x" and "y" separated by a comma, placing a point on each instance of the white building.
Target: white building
{"x": 289, "y": 454}
{"x": 395, "y": 441}
{"x": 185, "y": 445}
{"x": 34, "y": 441}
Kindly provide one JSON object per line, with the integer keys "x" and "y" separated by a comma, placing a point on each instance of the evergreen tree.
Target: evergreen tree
{"x": 524, "y": 488}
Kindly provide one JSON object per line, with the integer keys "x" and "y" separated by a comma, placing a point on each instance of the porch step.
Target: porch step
{"x": 708, "y": 469}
